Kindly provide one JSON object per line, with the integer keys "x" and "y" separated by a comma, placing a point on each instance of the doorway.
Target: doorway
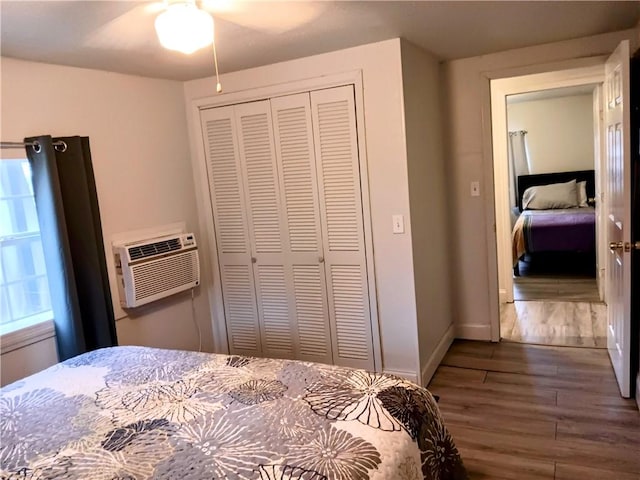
{"x": 547, "y": 139}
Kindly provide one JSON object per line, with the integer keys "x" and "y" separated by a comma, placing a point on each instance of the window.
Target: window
{"x": 24, "y": 293}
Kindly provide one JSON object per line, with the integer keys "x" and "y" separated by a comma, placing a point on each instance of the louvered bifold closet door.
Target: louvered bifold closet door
{"x": 303, "y": 238}
{"x": 338, "y": 172}
{"x": 232, "y": 236}
{"x": 272, "y": 275}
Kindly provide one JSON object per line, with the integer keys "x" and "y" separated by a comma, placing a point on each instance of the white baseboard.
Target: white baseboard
{"x": 438, "y": 354}
{"x": 474, "y": 332}
{"x": 411, "y": 376}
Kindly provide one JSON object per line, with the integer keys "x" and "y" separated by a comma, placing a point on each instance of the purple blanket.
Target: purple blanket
{"x": 560, "y": 230}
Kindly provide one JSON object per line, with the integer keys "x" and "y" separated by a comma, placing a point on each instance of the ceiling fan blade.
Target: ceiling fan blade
{"x": 133, "y": 29}
{"x": 269, "y": 17}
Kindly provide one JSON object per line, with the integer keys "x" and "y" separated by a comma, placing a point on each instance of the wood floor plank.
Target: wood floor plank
{"x": 566, "y": 356}
{"x": 506, "y": 423}
{"x": 585, "y": 399}
{"x": 575, "y": 472}
{"x": 553, "y": 322}
{"x": 523, "y": 412}
{"x": 473, "y": 348}
{"x": 533, "y": 288}
{"x": 459, "y": 376}
{"x": 496, "y": 466}
{"x": 612, "y": 435}
{"x": 576, "y": 452}
{"x": 606, "y": 386}
{"x": 491, "y": 364}
{"x": 527, "y": 411}
{"x": 491, "y": 391}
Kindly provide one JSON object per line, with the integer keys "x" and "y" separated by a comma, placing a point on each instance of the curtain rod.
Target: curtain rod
{"x": 516, "y": 132}
{"x": 4, "y": 145}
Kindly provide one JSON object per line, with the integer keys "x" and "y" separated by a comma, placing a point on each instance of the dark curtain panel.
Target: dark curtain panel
{"x": 67, "y": 204}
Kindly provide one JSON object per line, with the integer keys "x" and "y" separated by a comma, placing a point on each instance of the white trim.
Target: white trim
{"x": 500, "y": 241}
{"x": 438, "y": 354}
{"x": 411, "y": 376}
{"x": 26, "y": 336}
{"x": 474, "y": 332}
{"x": 269, "y": 91}
{"x": 209, "y": 252}
{"x": 599, "y": 151}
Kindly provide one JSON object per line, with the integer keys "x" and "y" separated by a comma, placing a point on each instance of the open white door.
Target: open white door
{"x": 618, "y": 172}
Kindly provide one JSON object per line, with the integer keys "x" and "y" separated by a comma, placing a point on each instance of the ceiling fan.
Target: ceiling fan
{"x": 132, "y": 30}
{"x": 188, "y": 25}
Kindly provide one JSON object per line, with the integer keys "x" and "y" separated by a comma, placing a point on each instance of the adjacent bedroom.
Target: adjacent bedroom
{"x": 554, "y": 194}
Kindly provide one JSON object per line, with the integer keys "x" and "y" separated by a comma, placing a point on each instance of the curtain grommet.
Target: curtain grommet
{"x": 36, "y": 147}
{"x": 60, "y": 146}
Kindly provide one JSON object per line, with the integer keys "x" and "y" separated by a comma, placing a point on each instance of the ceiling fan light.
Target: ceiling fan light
{"x": 184, "y": 27}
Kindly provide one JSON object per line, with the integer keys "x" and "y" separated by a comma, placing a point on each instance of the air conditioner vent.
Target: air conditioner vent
{"x": 156, "y": 268}
{"x": 152, "y": 249}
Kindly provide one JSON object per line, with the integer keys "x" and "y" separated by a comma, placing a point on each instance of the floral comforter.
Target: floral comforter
{"x": 137, "y": 413}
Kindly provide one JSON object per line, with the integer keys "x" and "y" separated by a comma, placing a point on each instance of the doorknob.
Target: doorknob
{"x": 321, "y": 259}
{"x": 613, "y": 246}
{"x": 254, "y": 259}
{"x": 631, "y": 246}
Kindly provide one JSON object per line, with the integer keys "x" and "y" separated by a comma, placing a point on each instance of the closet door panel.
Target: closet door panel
{"x": 232, "y": 236}
{"x": 275, "y": 311}
{"x": 240, "y": 309}
{"x": 272, "y": 275}
{"x": 257, "y": 153}
{"x": 338, "y": 173}
{"x": 303, "y": 235}
{"x": 314, "y": 334}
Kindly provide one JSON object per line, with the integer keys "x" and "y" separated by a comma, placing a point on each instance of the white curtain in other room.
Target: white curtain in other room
{"x": 518, "y": 161}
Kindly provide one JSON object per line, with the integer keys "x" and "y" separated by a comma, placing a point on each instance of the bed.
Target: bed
{"x": 137, "y": 413}
{"x": 566, "y": 230}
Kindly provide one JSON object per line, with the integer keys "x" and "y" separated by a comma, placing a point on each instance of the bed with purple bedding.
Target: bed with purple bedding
{"x": 558, "y": 230}
{"x": 143, "y": 413}
{"x": 564, "y": 226}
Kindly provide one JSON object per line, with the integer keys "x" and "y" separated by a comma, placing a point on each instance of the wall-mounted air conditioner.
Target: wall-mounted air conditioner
{"x": 156, "y": 268}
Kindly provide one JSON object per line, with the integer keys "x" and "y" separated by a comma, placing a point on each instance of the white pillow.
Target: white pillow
{"x": 556, "y": 195}
{"x": 582, "y": 194}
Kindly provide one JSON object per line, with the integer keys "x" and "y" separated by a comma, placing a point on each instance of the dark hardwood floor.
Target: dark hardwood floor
{"x": 523, "y": 412}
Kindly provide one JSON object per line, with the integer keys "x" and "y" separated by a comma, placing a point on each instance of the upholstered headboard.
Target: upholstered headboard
{"x": 526, "y": 181}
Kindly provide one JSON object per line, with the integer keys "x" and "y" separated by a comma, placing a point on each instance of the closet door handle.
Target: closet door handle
{"x": 254, "y": 259}
{"x": 321, "y": 259}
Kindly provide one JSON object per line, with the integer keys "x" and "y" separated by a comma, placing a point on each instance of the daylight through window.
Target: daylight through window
{"x": 24, "y": 293}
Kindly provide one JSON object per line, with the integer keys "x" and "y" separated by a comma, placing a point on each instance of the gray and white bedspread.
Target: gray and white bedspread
{"x": 136, "y": 413}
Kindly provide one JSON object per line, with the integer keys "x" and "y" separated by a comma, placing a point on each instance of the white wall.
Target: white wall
{"x": 18, "y": 363}
{"x": 139, "y": 145}
{"x": 468, "y": 133}
{"x": 427, "y": 197}
{"x": 380, "y": 64}
{"x": 560, "y": 132}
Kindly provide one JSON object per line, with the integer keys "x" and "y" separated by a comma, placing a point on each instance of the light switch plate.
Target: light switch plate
{"x": 398, "y": 223}
{"x": 475, "y": 189}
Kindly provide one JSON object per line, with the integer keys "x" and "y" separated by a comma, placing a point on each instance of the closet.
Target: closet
{"x": 284, "y": 181}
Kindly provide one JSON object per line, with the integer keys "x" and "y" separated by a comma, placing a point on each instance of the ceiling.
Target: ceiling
{"x": 119, "y": 35}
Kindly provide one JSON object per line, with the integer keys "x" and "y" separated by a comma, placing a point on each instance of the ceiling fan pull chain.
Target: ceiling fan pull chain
{"x": 215, "y": 63}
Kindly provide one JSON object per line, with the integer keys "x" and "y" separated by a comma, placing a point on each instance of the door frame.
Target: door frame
{"x": 205, "y": 210}
{"x": 597, "y": 63}
{"x": 500, "y": 89}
